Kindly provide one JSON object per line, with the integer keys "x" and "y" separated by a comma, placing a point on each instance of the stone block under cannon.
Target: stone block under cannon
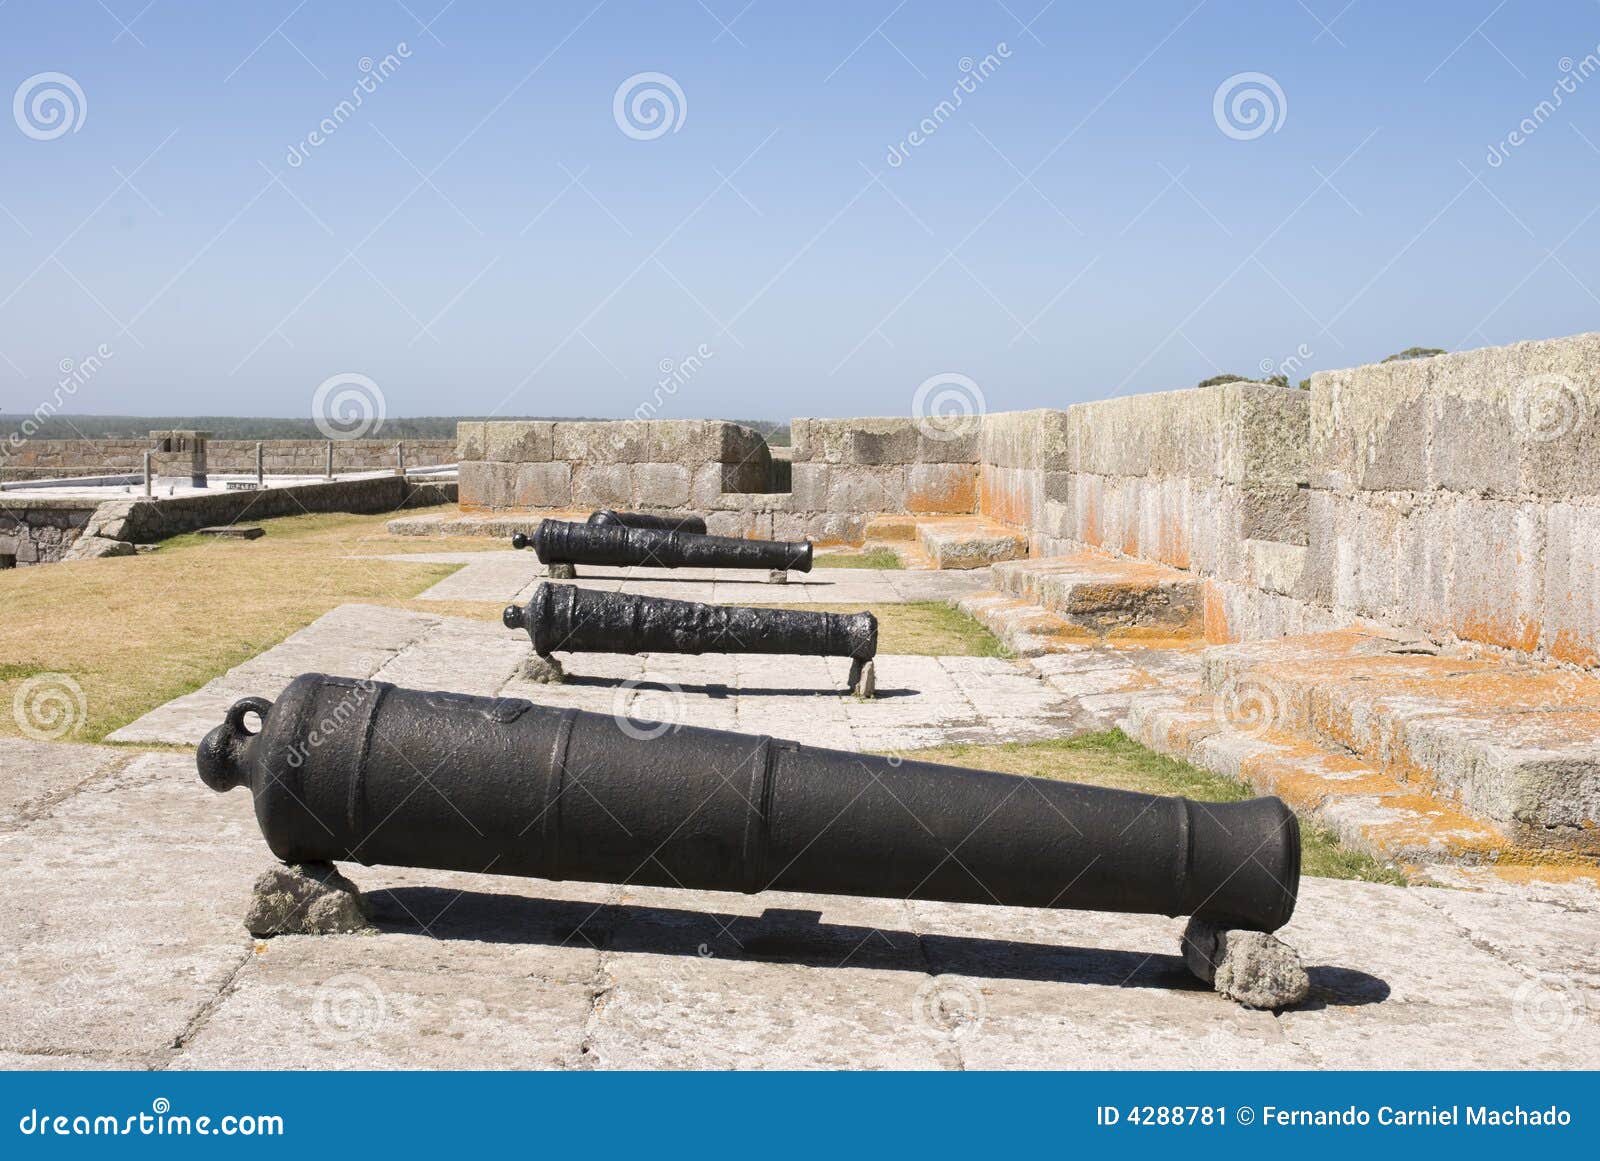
{"x": 570, "y": 619}
{"x": 462, "y": 783}
{"x": 562, "y": 545}
{"x": 646, "y": 520}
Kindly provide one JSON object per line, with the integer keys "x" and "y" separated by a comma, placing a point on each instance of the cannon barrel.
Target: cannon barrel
{"x": 580, "y": 620}
{"x": 567, "y": 542}
{"x": 646, "y": 520}
{"x": 346, "y": 769}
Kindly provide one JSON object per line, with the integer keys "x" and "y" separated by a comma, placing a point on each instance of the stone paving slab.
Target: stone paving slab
{"x": 922, "y": 701}
{"x": 123, "y": 947}
{"x": 512, "y": 576}
{"x": 40, "y": 773}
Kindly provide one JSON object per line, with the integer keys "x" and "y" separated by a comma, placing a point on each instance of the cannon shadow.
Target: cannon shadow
{"x": 781, "y": 935}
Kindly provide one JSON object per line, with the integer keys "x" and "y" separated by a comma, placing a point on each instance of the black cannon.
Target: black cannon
{"x": 570, "y": 619}
{"x": 357, "y": 770}
{"x": 646, "y": 520}
{"x": 563, "y": 544}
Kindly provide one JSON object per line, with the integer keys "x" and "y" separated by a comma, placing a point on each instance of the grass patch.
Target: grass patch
{"x": 1113, "y": 759}
{"x": 921, "y": 628}
{"x": 136, "y": 631}
{"x": 867, "y": 558}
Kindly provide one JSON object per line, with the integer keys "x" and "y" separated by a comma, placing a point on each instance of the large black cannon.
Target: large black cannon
{"x": 356, "y": 770}
{"x": 563, "y": 544}
{"x": 646, "y": 520}
{"x": 570, "y": 619}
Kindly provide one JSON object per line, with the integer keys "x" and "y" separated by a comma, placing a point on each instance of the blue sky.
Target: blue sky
{"x": 481, "y": 235}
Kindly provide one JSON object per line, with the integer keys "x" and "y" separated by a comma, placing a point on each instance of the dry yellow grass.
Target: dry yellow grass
{"x": 922, "y": 628}
{"x": 134, "y": 632}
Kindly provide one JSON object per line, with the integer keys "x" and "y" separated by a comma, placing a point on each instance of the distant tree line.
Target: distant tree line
{"x": 262, "y": 428}
{"x": 1305, "y": 384}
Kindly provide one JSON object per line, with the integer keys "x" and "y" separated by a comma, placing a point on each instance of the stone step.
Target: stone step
{"x": 965, "y": 542}
{"x": 1368, "y": 810}
{"x": 1109, "y": 596}
{"x": 896, "y": 528}
{"x": 1024, "y": 628}
{"x": 1516, "y": 743}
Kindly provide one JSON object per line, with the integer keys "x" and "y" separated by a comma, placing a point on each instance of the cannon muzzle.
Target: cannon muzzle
{"x": 342, "y": 769}
{"x": 567, "y": 542}
{"x": 580, "y": 620}
{"x": 646, "y": 520}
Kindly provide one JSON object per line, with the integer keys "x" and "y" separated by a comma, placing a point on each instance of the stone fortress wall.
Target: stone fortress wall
{"x": 1457, "y": 496}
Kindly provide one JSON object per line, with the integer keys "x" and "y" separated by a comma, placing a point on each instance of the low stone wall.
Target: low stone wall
{"x": 847, "y": 471}
{"x": 34, "y": 459}
{"x": 309, "y": 457}
{"x": 507, "y": 465}
{"x": 838, "y": 475}
{"x": 37, "y": 459}
{"x": 40, "y": 530}
{"x": 144, "y": 521}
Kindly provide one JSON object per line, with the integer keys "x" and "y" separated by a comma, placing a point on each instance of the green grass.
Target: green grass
{"x": 867, "y": 558}
{"x": 1113, "y": 759}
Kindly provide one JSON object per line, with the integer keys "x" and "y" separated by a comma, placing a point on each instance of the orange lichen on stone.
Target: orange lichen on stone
{"x": 1216, "y": 617}
{"x": 1308, "y": 778}
{"x": 1173, "y": 547}
{"x": 1567, "y": 645}
{"x": 1493, "y": 628}
{"x": 1002, "y": 502}
{"x": 1304, "y": 776}
{"x": 958, "y": 495}
{"x": 1090, "y": 532}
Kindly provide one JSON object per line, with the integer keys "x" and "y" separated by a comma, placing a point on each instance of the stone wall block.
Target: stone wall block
{"x": 602, "y": 485}
{"x": 661, "y": 485}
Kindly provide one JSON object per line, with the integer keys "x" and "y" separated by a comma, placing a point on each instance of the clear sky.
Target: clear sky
{"x": 485, "y": 233}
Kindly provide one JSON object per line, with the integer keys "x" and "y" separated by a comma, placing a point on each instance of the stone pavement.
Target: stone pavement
{"x": 121, "y": 946}
{"x": 510, "y": 575}
{"x": 922, "y": 701}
